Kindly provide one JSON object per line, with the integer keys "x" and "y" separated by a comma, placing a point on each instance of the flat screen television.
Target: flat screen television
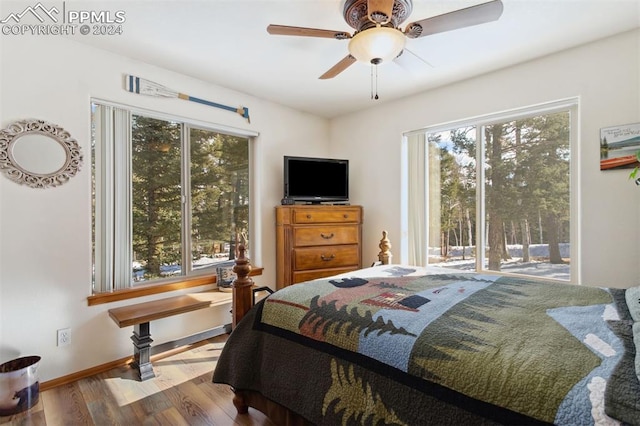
{"x": 315, "y": 180}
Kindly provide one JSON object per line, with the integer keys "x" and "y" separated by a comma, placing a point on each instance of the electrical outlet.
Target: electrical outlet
{"x": 64, "y": 336}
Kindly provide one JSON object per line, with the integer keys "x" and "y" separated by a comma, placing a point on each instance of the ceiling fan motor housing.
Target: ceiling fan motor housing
{"x": 356, "y": 14}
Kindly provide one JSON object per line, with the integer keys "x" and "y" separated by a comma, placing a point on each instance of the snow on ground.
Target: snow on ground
{"x": 171, "y": 270}
{"x": 536, "y": 267}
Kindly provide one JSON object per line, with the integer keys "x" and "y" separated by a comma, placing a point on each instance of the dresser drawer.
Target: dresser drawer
{"x": 325, "y": 235}
{"x": 302, "y": 276}
{"x": 334, "y": 215}
{"x": 325, "y": 257}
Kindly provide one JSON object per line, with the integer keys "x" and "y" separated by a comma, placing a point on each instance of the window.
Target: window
{"x": 494, "y": 194}
{"x": 170, "y": 198}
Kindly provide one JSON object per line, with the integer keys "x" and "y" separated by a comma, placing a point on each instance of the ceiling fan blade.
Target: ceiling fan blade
{"x": 412, "y": 62}
{"x": 380, "y": 11}
{"x": 306, "y": 32}
{"x": 474, "y": 15}
{"x": 339, "y": 67}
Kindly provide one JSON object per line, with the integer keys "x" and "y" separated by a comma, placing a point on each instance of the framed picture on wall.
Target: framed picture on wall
{"x": 618, "y": 147}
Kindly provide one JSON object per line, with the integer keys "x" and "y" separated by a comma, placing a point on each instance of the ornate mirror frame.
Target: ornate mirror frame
{"x": 19, "y": 173}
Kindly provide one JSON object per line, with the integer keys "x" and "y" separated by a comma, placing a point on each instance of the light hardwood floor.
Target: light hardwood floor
{"x": 181, "y": 394}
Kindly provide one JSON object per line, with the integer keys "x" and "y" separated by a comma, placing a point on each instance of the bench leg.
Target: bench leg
{"x": 142, "y": 351}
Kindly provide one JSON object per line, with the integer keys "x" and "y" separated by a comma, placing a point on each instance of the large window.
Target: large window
{"x": 494, "y": 194}
{"x": 171, "y": 198}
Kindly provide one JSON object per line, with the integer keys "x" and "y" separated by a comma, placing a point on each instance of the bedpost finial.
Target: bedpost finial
{"x": 242, "y": 268}
{"x": 385, "y": 246}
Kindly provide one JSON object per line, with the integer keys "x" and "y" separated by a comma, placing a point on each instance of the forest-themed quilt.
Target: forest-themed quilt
{"x": 392, "y": 345}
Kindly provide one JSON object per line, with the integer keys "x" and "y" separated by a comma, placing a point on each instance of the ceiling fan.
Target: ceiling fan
{"x": 378, "y": 38}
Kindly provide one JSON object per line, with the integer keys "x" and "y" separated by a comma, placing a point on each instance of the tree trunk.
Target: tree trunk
{"x": 153, "y": 240}
{"x": 496, "y": 242}
{"x": 493, "y": 136}
{"x": 443, "y": 246}
{"x": 505, "y": 251}
{"x": 554, "y": 244}
{"x": 461, "y": 230}
{"x": 447, "y": 241}
{"x": 526, "y": 240}
{"x": 469, "y": 230}
{"x": 540, "y": 227}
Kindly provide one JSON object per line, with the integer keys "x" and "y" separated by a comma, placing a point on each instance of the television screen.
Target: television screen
{"x": 316, "y": 180}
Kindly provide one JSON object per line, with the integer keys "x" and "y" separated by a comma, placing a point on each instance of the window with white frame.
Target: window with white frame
{"x": 495, "y": 193}
{"x": 170, "y": 197}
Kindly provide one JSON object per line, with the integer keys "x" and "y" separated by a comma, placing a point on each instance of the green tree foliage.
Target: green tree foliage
{"x": 156, "y": 192}
{"x": 457, "y": 180}
{"x": 219, "y": 193}
{"x": 450, "y": 196}
{"x": 545, "y": 170}
{"x": 526, "y": 167}
{"x": 219, "y": 189}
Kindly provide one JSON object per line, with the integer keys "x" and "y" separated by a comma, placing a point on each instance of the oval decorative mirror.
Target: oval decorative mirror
{"x": 38, "y": 154}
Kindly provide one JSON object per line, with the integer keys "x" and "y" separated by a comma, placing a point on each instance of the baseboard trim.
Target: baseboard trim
{"x": 189, "y": 340}
{"x": 160, "y": 351}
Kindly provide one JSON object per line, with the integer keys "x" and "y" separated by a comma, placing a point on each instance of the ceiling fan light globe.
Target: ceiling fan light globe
{"x": 380, "y": 43}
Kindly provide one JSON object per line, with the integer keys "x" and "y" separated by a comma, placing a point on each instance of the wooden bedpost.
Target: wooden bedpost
{"x": 242, "y": 292}
{"x": 385, "y": 255}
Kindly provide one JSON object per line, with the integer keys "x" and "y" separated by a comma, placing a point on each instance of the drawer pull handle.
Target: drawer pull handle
{"x": 326, "y": 259}
{"x": 345, "y": 216}
{"x": 326, "y": 237}
{"x": 308, "y": 216}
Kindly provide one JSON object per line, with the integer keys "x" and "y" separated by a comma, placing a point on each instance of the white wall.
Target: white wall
{"x": 45, "y": 244}
{"x": 605, "y": 75}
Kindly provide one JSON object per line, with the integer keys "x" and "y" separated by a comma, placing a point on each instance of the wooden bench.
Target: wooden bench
{"x": 140, "y": 316}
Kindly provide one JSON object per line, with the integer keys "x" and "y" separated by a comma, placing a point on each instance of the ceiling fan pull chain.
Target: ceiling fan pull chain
{"x": 372, "y": 81}
{"x": 376, "y": 82}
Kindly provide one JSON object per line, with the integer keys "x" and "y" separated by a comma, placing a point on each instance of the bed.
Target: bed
{"x": 405, "y": 345}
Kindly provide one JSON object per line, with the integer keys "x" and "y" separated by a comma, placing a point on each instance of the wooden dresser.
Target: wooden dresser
{"x": 315, "y": 241}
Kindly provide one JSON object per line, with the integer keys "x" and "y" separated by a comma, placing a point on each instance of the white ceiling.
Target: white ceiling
{"x": 225, "y": 42}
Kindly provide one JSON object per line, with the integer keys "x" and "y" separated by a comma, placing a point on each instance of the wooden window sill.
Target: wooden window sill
{"x": 141, "y": 291}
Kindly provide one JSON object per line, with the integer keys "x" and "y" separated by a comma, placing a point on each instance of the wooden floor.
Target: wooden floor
{"x": 181, "y": 394}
